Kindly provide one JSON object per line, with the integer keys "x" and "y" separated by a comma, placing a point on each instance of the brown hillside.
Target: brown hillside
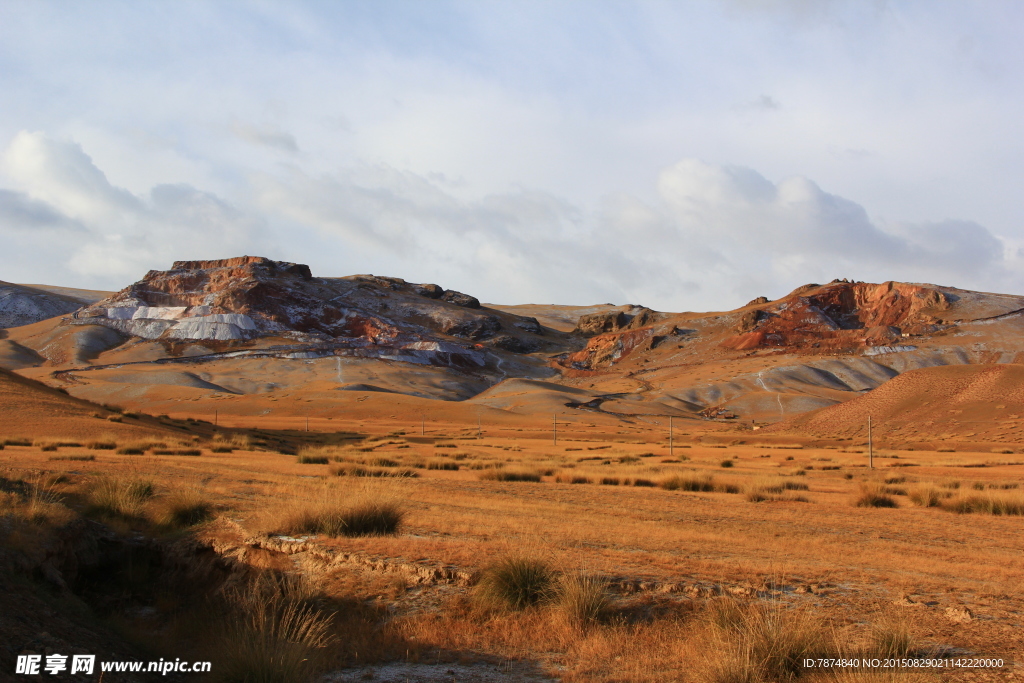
{"x": 32, "y": 409}
{"x": 980, "y": 402}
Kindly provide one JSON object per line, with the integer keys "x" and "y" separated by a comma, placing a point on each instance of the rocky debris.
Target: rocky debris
{"x": 21, "y": 305}
{"x": 959, "y": 615}
{"x": 759, "y": 300}
{"x": 840, "y": 316}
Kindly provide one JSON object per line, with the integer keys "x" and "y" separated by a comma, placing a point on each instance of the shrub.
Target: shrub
{"x": 18, "y": 441}
{"x": 515, "y": 582}
{"x": 101, "y": 445}
{"x": 727, "y": 463}
{"x": 643, "y": 482}
{"x": 222, "y": 449}
{"x": 610, "y": 481}
{"x": 83, "y": 458}
{"x": 627, "y": 459}
{"x": 130, "y": 451}
{"x": 441, "y": 465}
{"x": 312, "y": 459}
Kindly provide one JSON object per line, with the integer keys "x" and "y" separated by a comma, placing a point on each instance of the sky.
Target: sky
{"x": 680, "y": 155}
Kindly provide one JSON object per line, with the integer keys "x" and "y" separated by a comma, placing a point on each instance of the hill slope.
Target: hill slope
{"x": 979, "y": 402}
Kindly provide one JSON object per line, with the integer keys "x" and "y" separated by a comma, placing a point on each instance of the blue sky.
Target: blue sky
{"x": 682, "y": 155}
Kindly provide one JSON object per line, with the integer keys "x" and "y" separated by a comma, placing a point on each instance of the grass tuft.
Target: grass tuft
{"x": 583, "y": 599}
{"x": 120, "y": 496}
{"x": 515, "y": 582}
{"x": 509, "y": 475}
{"x": 872, "y": 495}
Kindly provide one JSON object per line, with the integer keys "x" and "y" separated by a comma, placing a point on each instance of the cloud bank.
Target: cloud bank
{"x": 711, "y": 237}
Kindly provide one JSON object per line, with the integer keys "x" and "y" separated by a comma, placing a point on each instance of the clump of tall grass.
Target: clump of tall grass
{"x": 927, "y": 495}
{"x": 689, "y": 482}
{"x": 120, "y": 496}
{"x": 515, "y": 582}
{"x": 774, "y": 489}
{"x": 304, "y": 459}
{"x": 698, "y": 483}
{"x": 758, "y": 643}
{"x": 442, "y": 465}
{"x": 509, "y": 475}
{"x": 18, "y": 441}
{"x": 582, "y": 598}
{"x": 872, "y": 494}
{"x": 329, "y": 515}
{"x": 988, "y": 503}
{"x": 183, "y": 507}
{"x": 276, "y": 639}
{"x": 101, "y": 445}
{"x": 350, "y": 470}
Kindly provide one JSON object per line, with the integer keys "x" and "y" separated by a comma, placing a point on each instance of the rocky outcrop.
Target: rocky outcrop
{"x": 606, "y": 349}
{"x": 632, "y": 318}
{"x": 245, "y": 298}
{"x": 841, "y": 315}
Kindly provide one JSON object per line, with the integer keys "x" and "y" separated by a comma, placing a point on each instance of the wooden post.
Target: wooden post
{"x": 871, "y": 449}
{"x": 423, "y": 421}
{"x": 216, "y": 416}
{"x": 307, "y": 423}
{"x": 554, "y": 430}
{"x": 478, "y": 432}
{"x": 671, "y": 451}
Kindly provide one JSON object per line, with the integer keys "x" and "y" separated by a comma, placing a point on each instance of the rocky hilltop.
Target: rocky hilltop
{"x": 249, "y": 297}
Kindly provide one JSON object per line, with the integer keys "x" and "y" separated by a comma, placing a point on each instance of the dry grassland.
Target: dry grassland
{"x": 728, "y": 561}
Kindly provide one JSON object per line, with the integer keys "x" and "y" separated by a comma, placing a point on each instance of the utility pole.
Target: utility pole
{"x": 871, "y": 450}
{"x": 423, "y": 421}
{"x": 554, "y": 430}
{"x": 307, "y": 423}
{"x": 478, "y": 432}
{"x": 671, "y": 451}
{"x": 215, "y": 418}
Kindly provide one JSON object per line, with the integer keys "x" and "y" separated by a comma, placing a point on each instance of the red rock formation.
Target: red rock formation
{"x": 840, "y": 315}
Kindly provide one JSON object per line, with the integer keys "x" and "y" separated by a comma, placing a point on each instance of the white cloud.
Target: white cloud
{"x": 74, "y": 220}
{"x": 713, "y": 236}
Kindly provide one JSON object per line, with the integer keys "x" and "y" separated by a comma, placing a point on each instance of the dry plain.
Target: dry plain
{"x": 779, "y": 525}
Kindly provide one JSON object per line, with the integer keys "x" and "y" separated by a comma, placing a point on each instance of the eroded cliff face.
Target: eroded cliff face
{"x": 842, "y": 315}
